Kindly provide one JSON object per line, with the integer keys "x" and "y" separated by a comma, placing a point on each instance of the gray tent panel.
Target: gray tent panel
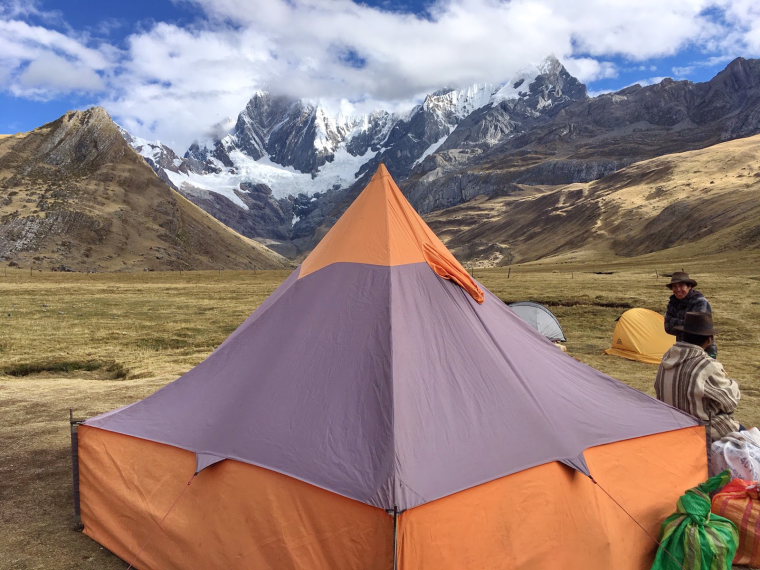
{"x": 540, "y": 318}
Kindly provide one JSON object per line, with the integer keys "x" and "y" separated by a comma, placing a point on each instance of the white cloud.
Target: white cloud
{"x": 744, "y": 19}
{"x": 11, "y": 9}
{"x": 634, "y": 30}
{"x": 50, "y": 73}
{"x": 28, "y": 42}
{"x": 5, "y": 71}
{"x": 176, "y": 83}
{"x": 586, "y": 69}
{"x": 40, "y": 63}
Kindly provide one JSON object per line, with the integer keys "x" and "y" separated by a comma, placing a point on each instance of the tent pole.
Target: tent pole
{"x": 73, "y": 425}
{"x": 395, "y": 538}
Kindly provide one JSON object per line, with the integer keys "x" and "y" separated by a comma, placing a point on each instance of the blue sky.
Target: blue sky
{"x": 180, "y": 70}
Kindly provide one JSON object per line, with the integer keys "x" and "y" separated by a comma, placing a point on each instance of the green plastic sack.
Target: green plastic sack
{"x": 693, "y": 538}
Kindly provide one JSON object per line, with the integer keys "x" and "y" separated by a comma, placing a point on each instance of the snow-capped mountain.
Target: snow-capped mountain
{"x": 283, "y": 154}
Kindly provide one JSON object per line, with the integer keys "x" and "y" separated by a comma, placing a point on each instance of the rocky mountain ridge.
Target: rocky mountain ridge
{"x": 300, "y": 153}
{"x": 590, "y": 139}
{"x": 287, "y": 169}
{"x": 75, "y": 196}
{"x": 528, "y": 150}
{"x": 581, "y": 141}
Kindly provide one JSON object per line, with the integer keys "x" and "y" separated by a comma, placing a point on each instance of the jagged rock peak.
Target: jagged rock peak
{"x": 741, "y": 73}
{"x": 551, "y": 66}
{"x": 93, "y": 121}
{"x": 554, "y": 83}
{"x": 459, "y": 102}
{"x": 80, "y": 138}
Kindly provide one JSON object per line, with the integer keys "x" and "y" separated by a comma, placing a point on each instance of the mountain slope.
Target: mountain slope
{"x": 588, "y": 139}
{"x": 74, "y": 195}
{"x": 703, "y": 201}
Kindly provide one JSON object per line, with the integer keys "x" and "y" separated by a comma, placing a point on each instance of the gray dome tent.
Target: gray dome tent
{"x": 540, "y": 318}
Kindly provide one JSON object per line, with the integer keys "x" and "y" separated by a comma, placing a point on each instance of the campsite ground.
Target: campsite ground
{"x": 94, "y": 342}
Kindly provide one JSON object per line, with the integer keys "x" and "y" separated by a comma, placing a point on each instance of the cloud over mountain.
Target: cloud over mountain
{"x": 174, "y": 78}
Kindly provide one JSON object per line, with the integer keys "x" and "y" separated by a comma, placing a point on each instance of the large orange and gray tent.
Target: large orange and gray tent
{"x": 383, "y": 410}
{"x": 640, "y": 335}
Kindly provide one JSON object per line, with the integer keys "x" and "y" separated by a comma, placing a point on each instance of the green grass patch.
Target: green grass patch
{"x": 113, "y": 370}
{"x": 575, "y": 301}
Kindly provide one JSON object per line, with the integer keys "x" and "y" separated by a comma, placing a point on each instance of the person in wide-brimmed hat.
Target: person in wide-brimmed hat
{"x": 685, "y": 298}
{"x": 689, "y": 379}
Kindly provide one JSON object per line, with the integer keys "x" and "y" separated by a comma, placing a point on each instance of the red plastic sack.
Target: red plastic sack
{"x": 739, "y": 501}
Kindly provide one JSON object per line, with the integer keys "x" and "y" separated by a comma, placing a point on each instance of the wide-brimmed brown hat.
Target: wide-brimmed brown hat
{"x": 697, "y": 323}
{"x": 681, "y": 277}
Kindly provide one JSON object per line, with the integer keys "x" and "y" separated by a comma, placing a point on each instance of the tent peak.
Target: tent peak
{"x": 382, "y": 228}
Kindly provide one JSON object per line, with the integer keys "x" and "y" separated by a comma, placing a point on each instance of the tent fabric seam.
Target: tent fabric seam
{"x": 393, "y": 473}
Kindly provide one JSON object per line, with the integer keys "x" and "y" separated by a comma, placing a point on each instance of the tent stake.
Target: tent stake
{"x": 74, "y": 424}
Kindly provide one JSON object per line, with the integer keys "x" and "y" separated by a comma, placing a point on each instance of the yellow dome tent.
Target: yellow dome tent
{"x": 640, "y": 335}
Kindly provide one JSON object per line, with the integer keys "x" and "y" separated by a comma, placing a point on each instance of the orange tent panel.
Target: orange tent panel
{"x": 551, "y": 517}
{"x": 546, "y": 517}
{"x": 136, "y": 501}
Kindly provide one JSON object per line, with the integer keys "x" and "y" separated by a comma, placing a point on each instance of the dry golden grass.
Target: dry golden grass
{"x": 96, "y": 342}
{"x": 706, "y": 200}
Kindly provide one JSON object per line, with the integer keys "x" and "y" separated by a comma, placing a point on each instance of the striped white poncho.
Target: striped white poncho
{"x": 693, "y": 382}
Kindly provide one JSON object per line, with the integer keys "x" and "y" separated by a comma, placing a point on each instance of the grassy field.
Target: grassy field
{"x": 94, "y": 342}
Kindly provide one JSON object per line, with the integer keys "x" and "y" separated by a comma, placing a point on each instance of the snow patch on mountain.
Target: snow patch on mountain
{"x": 459, "y": 103}
{"x": 344, "y": 139}
{"x": 431, "y": 149}
{"x": 283, "y": 181}
{"x": 145, "y": 148}
{"x": 281, "y": 153}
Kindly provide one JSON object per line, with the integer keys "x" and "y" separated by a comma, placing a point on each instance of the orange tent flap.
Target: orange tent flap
{"x": 137, "y": 502}
{"x": 449, "y": 268}
{"x": 382, "y": 228}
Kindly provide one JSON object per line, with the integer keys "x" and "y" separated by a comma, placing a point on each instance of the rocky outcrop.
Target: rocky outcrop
{"x": 264, "y": 217}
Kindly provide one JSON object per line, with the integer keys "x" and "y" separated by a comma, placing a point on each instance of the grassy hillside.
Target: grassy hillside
{"x": 704, "y": 201}
{"x": 97, "y": 342}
